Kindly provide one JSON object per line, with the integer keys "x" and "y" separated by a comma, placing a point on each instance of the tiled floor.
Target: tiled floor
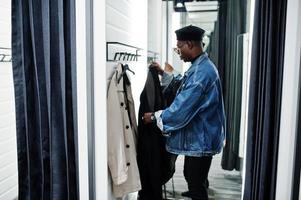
{"x": 223, "y": 185}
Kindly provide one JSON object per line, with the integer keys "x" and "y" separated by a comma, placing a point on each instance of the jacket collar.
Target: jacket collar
{"x": 200, "y": 59}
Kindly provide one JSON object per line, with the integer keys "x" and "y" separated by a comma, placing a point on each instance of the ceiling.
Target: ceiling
{"x": 199, "y": 13}
{"x": 201, "y": 6}
{"x": 179, "y": 5}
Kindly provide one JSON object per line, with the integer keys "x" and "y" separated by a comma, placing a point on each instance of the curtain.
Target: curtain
{"x": 265, "y": 99}
{"x": 221, "y": 59}
{"x": 234, "y": 26}
{"x": 212, "y": 48}
{"x": 44, "y": 69}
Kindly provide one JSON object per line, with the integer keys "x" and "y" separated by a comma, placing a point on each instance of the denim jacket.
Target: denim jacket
{"x": 195, "y": 121}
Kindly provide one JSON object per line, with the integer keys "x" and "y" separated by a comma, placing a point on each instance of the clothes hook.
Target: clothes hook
{"x": 126, "y": 67}
{"x": 115, "y": 57}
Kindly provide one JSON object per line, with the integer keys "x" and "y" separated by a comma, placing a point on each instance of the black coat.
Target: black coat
{"x": 153, "y": 160}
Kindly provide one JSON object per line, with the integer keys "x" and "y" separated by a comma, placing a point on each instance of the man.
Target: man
{"x": 195, "y": 121}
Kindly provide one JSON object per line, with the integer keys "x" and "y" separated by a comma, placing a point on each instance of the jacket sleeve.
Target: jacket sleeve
{"x": 116, "y": 152}
{"x": 185, "y": 106}
{"x": 170, "y": 80}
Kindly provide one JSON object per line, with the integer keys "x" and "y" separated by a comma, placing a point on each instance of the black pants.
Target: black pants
{"x": 196, "y": 173}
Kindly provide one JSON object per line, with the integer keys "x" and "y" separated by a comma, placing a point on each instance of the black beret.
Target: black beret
{"x": 190, "y": 33}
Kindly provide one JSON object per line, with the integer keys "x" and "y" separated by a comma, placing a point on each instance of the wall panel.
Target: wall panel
{"x": 8, "y": 147}
{"x": 126, "y": 22}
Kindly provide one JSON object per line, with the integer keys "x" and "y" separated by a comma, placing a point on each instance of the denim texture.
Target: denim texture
{"x": 195, "y": 121}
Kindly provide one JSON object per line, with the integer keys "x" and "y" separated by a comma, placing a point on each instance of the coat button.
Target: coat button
{"x": 121, "y": 104}
{"x": 127, "y": 146}
{"x": 127, "y": 127}
{"x": 128, "y": 164}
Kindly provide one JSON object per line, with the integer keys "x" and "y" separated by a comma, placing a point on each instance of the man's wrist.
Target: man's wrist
{"x": 153, "y": 118}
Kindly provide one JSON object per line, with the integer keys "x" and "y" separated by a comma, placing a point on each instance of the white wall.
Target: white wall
{"x": 99, "y": 99}
{"x": 154, "y": 27}
{"x": 5, "y": 22}
{"x": 174, "y": 23}
{"x": 166, "y": 55}
{"x": 8, "y": 147}
{"x": 288, "y": 121}
{"x": 126, "y": 22}
{"x": 82, "y": 61}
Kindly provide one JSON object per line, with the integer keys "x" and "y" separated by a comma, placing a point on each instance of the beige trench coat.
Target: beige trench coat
{"x": 121, "y": 137}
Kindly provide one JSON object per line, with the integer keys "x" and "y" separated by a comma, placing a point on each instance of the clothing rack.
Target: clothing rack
{"x": 117, "y": 51}
{"x": 5, "y": 54}
{"x": 125, "y": 68}
{"x": 152, "y": 56}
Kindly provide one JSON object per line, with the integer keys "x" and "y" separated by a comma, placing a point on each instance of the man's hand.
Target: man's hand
{"x": 157, "y": 67}
{"x": 147, "y": 118}
{"x": 168, "y": 67}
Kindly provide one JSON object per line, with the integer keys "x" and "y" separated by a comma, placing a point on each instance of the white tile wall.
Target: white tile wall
{"x": 126, "y": 22}
{"x": 8, "y": 147}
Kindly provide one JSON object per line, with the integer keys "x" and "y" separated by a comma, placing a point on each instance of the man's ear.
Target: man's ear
{"x": 190, "y": 44}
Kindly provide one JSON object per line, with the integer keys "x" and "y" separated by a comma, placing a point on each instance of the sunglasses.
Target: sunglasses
{"x": 177, "y": 50}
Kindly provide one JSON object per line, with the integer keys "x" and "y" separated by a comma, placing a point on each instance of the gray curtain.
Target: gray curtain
{"x": 222, "y": 27}
{"x": 232, "y": 78}
{"x": 44, "y": 68}
{"x": 212, "y": 49}
{"x": 265, "y": 99}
